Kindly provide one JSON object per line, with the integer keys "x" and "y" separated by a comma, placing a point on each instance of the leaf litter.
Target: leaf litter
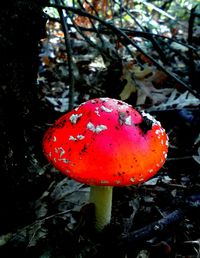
{"x": 63, "y": 217}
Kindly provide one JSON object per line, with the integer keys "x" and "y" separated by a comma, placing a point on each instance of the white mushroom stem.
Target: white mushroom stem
{"x": 101, "y": 196}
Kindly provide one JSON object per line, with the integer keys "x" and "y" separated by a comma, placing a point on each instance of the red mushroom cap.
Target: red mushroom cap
{"x": 106, "y": 142}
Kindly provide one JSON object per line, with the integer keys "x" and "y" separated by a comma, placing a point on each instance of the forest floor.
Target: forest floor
{"x": 159, "y": 218}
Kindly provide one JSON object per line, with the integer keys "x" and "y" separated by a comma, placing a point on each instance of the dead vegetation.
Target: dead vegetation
{"x": 148, "y": 56}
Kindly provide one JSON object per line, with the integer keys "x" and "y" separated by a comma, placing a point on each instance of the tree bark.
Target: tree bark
{"x": 22, "y": 25}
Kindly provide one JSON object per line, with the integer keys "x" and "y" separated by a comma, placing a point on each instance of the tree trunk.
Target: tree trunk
{"x": 22, "y": 25}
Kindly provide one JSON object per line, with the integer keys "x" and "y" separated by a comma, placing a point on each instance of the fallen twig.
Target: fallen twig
{"x": 152, "y": 230}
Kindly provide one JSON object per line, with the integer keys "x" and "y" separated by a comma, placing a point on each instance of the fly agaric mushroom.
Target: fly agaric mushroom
{"x": 104, "y": 143}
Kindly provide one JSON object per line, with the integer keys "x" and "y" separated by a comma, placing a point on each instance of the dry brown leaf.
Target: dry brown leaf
{"x": 159, "y": 77}
{"x": 146, "y": 89}
{"x": 132, "y": 72}
{"x": 128, "y": 90}
{"x": 130, "y": 86}
{"x": 139, "y": 73}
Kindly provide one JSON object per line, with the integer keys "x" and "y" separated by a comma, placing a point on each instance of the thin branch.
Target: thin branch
{"x": 121, "y": 35}
{"x": 157, "y": 9}
{"x": 92, "y": 23}
{"x": 69, "y": 54}
{"x": 152, "y": 230}
{"x": 144, "y": 34}
{"x": 135, "y": 33}
{"x": 151, "y": 38}
{"x": 190, "y": 52}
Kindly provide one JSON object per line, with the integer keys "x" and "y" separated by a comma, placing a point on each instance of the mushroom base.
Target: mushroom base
{"x": 101, "y": 196}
